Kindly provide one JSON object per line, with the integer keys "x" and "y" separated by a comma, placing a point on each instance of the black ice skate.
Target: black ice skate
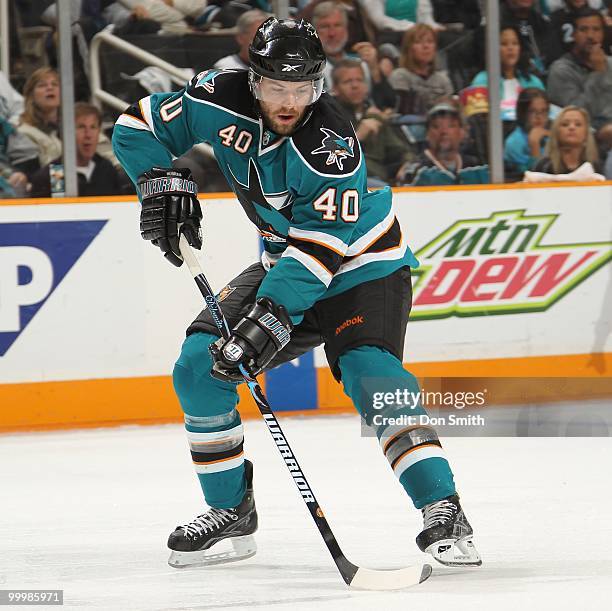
{"x": 228, "y": 528}
{"x": 447, "y": 535}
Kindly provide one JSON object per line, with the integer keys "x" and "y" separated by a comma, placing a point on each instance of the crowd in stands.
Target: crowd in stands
{"x": 409, "y": 73}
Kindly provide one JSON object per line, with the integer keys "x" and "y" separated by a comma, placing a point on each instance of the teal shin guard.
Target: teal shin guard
{"x": 212, "y": 422}
{"x": 383, "y": 393}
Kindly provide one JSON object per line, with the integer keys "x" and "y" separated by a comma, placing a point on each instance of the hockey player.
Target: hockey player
{"x": 335, "y": 270}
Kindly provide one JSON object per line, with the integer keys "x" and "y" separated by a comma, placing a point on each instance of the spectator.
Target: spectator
{"x": 96, "y": 175}
{"x": 442, "y": 162}
{"x": 357, "y": 31}
{"x": 562, "y": 25}
{"x": 571, "y": 143}
{"x": 15, "y": 154}
{"x": 583, "y": 77}
{"x": 525, "y": 145}
{"x": 173, "y": 16}
{"x": 18, "y": 154}
{"x": 11, "y": 102}
{"x": 331, "y": 21}
{"x": 514, "y": 71}
{"x": 399, "y": 15}
{"x": 384, "y": 150}
{"x": 534, "y": 30}
{"x": 417, "y": 81}
{"x": 40, "y": 119}
{"x": 246, "y": 26}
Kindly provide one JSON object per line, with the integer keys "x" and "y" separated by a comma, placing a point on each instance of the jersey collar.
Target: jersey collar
{"x": 268, "y": 140}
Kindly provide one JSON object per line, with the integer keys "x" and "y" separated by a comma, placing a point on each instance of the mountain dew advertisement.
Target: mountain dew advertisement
{"x": 500, "y": 264}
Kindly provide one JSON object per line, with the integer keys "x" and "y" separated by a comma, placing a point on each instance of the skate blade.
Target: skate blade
{"x": 455, "y": 552}
{"x": 241, "y": 548}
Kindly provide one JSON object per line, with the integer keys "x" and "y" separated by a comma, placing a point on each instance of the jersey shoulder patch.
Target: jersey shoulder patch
{"x": 227, "y": 89}
{"x": 327, "y": 142}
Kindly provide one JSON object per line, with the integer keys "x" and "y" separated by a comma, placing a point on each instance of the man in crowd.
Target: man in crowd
{"x": 246, "y": 27}
{"x": 383, "y": 148}
{"x": 96, "y": 175}
{"x": 442, "y": 162}
{"x": 331, "y": 21}
{"x": 583, "y": 77}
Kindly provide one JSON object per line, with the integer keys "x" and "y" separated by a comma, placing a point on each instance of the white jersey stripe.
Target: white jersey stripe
{"x": 388, "y": 255}
{"x": 133, "y": 122}
{"x": 415, "y": 456}
{"x": 310, "y": 263}
{"x": 145, "y": 109}
{"x": 221, "y": 465}
{"x": 367, "y": 239}
{"x": 236, "y": 431}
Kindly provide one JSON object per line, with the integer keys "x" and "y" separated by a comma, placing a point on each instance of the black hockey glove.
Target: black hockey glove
{"x": 254, "y": 342}
{"x": 170, "y": 207}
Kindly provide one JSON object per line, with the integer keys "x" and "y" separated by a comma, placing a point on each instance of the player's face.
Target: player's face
{"x": 572, "y": 129}
{"x": 283, "y": 103}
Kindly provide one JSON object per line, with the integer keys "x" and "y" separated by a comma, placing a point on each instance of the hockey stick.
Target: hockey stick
{"x": 354, "y": 576}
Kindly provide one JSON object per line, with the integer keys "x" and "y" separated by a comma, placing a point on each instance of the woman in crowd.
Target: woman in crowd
{"x": 571, "y": 143}
{"x": 515, "y": 72}
{"x": 40, "y": 119}
{"x": 525, "y": 145}
{"x": 417, "y": 81}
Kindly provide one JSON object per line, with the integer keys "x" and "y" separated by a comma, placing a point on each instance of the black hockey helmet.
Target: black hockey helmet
{"x": 287, "y": 50}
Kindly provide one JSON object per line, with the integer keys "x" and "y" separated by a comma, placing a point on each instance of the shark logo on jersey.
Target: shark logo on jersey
{"x": 335, "y": 147}
{"x": 206, "y": 79}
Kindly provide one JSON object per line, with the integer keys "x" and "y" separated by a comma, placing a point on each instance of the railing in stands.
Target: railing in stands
{"x": 178, "y": 75}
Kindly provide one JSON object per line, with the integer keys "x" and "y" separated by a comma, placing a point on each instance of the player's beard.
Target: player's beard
{"x": 273, "y": 118}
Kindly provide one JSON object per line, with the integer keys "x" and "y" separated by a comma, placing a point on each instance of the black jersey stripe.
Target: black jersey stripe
{"x": 206, "y": 457}
{"x": 328, "y": 258}
{"x": 392, "y": 238}
{"x": 135, "y": 112}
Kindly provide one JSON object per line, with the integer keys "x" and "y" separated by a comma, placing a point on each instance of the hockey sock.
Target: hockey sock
{"x": 213, "y": 425}
{"x": 385, "y": 394}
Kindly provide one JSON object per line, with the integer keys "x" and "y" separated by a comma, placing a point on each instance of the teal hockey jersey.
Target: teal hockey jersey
{"x": 322, "y": 231}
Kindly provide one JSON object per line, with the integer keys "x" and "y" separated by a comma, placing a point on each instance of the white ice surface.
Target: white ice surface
{"x": 90, "y": 511}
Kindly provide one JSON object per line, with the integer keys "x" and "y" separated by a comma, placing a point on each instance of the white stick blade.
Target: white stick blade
{"x": 395, "y": 579}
